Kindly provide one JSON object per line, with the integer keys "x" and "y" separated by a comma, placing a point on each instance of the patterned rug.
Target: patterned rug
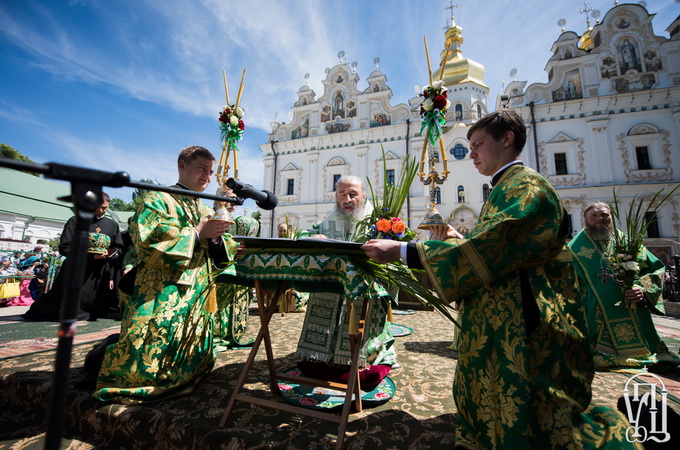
{"x": 398, "y": 330}
{"x": 421, "y": 415}
{"x": 322, "y": 398}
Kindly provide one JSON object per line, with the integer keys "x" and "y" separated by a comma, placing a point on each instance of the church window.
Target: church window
{"x": 561, "y": 164}
{"x": 652, "y": 225}
{"x": 459, "y": 112}
{"x": 485, "y": 192}
{"x": 642, "y": 155}
{"x": 290, "y": 188}
{"x": 459, "y": 151}
{"x": 336, "y": 178}
{"x": 479, "y": 111}
{"x": 390, "y": 177}
{"x": 438, "y": 196}
{"x": 461, "y": 194}
{"x": 436, "y": 156}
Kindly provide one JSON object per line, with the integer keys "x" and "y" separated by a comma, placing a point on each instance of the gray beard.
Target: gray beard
{"x": 600, "y": 234}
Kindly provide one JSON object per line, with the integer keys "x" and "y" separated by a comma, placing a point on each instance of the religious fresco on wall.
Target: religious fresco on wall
{"x": 378, "y": 116}
{"x": 326, "y": 113}
{"x": 571, "y": 88}
{"x": 351, "y": 109}
{"x": 302, "y": 130}
{"x": 629, "y": 56}
{"x": 608, "y": 67}
{"x": 337, "y": 127}
{"x": 338, "y": 104}
{"x": 652, "y": 61}
{"x": 634, "y": 83}
{"x": 623, "y": 23}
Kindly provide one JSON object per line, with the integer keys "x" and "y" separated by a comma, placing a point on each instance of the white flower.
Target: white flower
{"x": 239, "y": 112}
{"x": 437, "y": 85}
{"x": 448, "y": 104}
{"x": 631, "y": 266}
{"x": 621, "y": 257}
{"x": 428, "y": 104}
{"x": 233, "y": 120}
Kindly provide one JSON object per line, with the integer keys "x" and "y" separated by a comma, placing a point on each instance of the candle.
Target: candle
{"x": 226, "y": 89}
{"x": 427, "y": 54}
{"x": 240, "y": 89}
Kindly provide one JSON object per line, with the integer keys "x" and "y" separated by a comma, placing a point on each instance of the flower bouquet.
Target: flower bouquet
{"x": 385, "y": 223}
{"x": 433, "y": 110}
{"x": 231, "y": 125}
{"x": 625, "y": 255}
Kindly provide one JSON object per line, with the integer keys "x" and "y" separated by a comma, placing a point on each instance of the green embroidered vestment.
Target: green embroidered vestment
{"x": 166, "y": 341}
{"x": 514, "y": 390}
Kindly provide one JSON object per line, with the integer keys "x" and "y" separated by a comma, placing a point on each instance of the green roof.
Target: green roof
{"x": 26, "y": 195}
{"x": 22, "y": 194}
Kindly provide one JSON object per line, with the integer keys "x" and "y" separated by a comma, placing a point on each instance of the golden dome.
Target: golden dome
{"x": 458, "y": 69}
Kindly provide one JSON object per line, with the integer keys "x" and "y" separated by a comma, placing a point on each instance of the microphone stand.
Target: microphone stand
{"x": 86, "y": 195}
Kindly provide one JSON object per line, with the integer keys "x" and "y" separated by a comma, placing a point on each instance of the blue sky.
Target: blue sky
{"x": 125, "y": 84}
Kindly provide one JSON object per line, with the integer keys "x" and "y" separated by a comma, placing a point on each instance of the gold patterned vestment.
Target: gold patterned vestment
{"x": 514, "y": 390}
{"x": 623, "y": 336}
{"x": 166, "y": 339}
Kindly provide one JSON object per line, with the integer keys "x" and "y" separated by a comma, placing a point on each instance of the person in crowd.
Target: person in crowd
{"x": 166, "y": 337}
{"x": 620, "y": 324}
{"x": 525, "y": 367}
{"x": 231, "y": 319}
{"x": 329, "y": 358}
{"x": 98, "y": 293}
{"x": 282, "y": 230}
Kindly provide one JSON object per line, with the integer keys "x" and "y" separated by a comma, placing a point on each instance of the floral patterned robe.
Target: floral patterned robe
{"x": 622, "y": 336}
{"x": 231, "y": 319}
{"x": 166, "y": 340}
{"x": 514, "y": 390}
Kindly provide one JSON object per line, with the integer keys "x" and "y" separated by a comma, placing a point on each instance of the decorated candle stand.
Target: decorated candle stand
{"x": 231, "y": 131}
{"x": 433, "y": 112}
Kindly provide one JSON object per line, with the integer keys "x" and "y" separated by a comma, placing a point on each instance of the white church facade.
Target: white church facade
{"x": 606, "y": 121}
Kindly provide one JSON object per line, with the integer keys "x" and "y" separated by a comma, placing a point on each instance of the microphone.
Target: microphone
{"x": 264, "y": 199}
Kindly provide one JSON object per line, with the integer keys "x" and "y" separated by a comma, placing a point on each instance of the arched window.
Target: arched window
{"x": 461, "y": 194}
{"x": 485, "y": 192}
{"x": 458, "y": 112}
{"x": 459, "y": 151}
{"x": 479, "y": 112}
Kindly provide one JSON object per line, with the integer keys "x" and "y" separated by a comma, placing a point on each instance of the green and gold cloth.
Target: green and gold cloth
{"x": 514, "y": 390}
{"x": 332, "y": 278}
{"x": 622, "y": 336}
{"x": 166, "y": 339}
{"x": 231, "y": 318}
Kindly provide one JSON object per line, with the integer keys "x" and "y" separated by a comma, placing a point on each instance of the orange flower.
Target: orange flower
{"x": 384, "y": 225}
{"x": 398, "y": 227}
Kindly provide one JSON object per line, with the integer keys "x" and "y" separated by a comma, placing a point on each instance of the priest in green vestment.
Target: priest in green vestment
{"x": 525, "y": 368}
{"x": 231, "y": 318}
{"x": 620, "y": 324}
{"x": 166, "y": 337}
{"x": 324, "y": 336}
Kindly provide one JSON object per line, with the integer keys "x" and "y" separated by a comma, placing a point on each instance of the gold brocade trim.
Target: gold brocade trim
{"x": 476, "y": 262}
{"x": 160, "y": 249}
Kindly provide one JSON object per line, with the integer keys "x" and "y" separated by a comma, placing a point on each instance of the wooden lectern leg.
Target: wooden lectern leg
{"x": 265, "y": 311}
{"x": 353, "y": 382}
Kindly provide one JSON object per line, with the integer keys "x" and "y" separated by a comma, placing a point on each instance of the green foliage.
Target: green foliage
{"x": 54, "y": 243}
{"x": 138, "y": 194}
{"x": 118, "y": 204}
{"x": 7, "y": 151}
{"x": 256, "y": 215}
{"x": 390, "y": 205}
